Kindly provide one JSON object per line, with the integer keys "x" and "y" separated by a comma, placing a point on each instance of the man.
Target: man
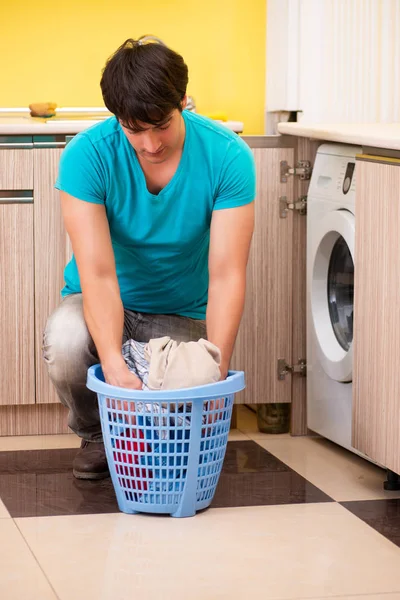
{"x": 158, "y": 204}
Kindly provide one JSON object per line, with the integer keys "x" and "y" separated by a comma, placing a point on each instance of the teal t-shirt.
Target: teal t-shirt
{"x": 160, "y": 242}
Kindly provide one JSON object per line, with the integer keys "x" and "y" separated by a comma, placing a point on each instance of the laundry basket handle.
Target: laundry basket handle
{"x": 234, "y": 383}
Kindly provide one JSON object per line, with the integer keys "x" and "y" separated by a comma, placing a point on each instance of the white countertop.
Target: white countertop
{"x": 18, "y": 124}
{"x": 37, "y": 126}
{"x": 378, "y": 135}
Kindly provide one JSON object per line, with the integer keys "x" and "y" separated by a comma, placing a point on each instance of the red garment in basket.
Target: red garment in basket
{"x": 130, "y": 454}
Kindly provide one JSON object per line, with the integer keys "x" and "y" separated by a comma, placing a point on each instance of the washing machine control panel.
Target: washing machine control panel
{"x": 346, "y": 179}
{"x": 334, "y": 174}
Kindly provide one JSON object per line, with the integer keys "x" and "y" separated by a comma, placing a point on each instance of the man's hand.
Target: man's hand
{"x": 120, "y": 376}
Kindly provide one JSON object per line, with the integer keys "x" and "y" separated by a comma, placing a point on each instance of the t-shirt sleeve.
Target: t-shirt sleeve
{"x": 80, "y": 172}
{"x": 237, "y": 184}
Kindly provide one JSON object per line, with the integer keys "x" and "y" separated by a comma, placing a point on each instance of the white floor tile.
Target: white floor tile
{"x": 4, "y": 514}
{"x": 39, "y": 442}
{"x": 341, "y": 474}
{"x": 21, "y": 578}
{"x": 235, "y": 435}
{"x": 264, "y": 553}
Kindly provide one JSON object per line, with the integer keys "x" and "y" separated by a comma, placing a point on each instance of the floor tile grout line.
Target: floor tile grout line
{"x": 242, "y": 432}
{"x": 264, "y": 439}
{"x": 36, "y": 560}
{"x": 72, "y": 447}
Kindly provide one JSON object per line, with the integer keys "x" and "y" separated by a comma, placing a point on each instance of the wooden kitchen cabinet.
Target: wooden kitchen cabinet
{"x": 16, "y": 277}
{"x": 52, "y": 252}
{"x": 26, "y": 231}
{"x": 273, "y": 325}
{"x": 266, "y": 330}
{"x": 376, "y": 380}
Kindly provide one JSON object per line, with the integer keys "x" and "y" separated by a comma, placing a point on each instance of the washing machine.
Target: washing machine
{"x": 330, "y": 285}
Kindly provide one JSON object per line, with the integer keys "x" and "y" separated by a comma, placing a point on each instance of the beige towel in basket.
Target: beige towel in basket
{"x": 175, "y": 365}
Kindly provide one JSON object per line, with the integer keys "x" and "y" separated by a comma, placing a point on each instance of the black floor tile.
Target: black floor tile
{"x": 382, "y": 515}
{"x": 252, "y": 476}
{"x": 40, "y": 483}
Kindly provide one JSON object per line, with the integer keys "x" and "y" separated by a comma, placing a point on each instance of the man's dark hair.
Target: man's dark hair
{"x": 144, "y": 80}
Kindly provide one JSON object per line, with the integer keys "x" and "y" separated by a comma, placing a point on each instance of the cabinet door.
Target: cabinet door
{"x": 52, "y": 251}
{"x": 265, "y": 332}
{"x": 16, "y": 276}
{"x": 16, "y": 299}
{"x": 16, "y": 169}
{"x": 376, "y": 380}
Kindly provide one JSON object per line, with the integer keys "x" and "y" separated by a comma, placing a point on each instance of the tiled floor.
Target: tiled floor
{"x": 292, "y": 518}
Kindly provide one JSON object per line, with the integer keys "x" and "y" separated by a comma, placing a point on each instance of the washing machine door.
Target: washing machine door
{"x": 332, "y": 293}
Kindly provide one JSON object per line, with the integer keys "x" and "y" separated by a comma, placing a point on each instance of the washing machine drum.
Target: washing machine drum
{"x": 332, "y": 293}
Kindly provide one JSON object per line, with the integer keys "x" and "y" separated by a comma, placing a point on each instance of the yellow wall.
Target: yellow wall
{"x": 55, "y": 51}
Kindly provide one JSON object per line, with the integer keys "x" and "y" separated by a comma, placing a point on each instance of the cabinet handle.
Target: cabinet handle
{"x": 16, "y": 141}
{"x": 49, "y": 144}
{"x": 37, "y": 141}
{"x": 16, "y": 196}
{"x": 16, "y": 145}
{"x": 49, "y": 141}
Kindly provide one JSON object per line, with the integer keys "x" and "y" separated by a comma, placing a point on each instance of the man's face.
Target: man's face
{"x": 156, "y": 144}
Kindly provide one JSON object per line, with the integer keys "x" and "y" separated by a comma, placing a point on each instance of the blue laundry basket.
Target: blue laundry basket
{"x": 165, "y": 449}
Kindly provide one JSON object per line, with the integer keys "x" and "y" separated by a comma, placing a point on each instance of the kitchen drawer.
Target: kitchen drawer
{"x": 16, "y": 167}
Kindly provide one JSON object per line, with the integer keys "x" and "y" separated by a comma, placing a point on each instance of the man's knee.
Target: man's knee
{"x": 67, "y": 342}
